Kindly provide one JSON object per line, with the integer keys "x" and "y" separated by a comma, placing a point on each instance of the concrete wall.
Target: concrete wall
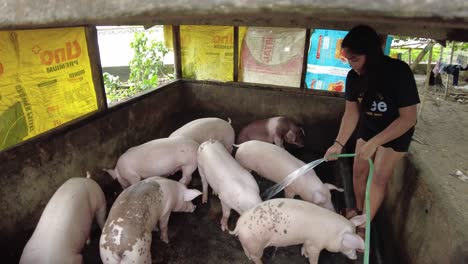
{"x": 420, "y": 220}
{"x": 30, "y": 173}
{"x": 317, "y": 111}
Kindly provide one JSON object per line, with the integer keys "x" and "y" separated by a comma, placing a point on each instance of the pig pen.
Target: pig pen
{"x": 32, "y": 172}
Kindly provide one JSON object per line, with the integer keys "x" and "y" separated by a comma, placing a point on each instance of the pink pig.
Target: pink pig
{"x": 204, "y": 129}
{"x": 273, "y": 130}
{"x": 126, "y": 237}
{"x": 162, "y": 156}
{"x": 285, "y": 222}
{"x": 65, "y": 223}
{"x": 236, "y": 187}
{"x": 275, "y": 164}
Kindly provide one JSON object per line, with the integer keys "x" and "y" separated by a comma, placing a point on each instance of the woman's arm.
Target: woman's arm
{"x": 348, "y": 124}
{"x": 398, "y": 127}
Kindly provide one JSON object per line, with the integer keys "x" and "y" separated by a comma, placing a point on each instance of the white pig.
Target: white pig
{"x": 204, "y": 129}
{"x": 275, "y": 164}
{"x": 65, "y": 223}
{"x": 235, "y": 186}
{"x": 126, "y": 237}
{"x": 162, "y": 156}
{"x": 285, "y": 222}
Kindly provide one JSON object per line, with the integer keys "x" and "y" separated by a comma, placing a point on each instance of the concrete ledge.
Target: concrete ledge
{"x": 422, "y": 220}
{"x": 421, "y": 18}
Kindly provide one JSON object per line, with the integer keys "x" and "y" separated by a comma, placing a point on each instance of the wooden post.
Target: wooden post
{"x": 441, "y": 55}
{"x": 426, "y": 83}
{"x": 428, "y": 46}
{"x": 96, "y": 68}
{"x": 303, "y": 85}
{"x": 409, "y": 56}
{"x": 235, "y": 76}
{"x": 446, "y": 79}
{"x": 177, "y": 52}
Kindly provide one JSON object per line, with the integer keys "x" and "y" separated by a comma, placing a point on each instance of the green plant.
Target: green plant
{"x": 115, "y": 89}
{"x": 145, "y": 69}
{"x": 147, "y": 62}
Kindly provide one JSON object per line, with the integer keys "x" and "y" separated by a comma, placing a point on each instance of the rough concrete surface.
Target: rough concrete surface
{"x": 425, "y": 216}
{"x": 423, "y": 18}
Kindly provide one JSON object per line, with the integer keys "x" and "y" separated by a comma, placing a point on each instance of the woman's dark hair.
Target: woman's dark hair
{"x": 364, "y": 40}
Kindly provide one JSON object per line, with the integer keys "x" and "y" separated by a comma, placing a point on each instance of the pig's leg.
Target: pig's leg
{"x": 254, "y": 252}
{"x": 187, "y": 174}
{"x": 204, "y": 186}
{"x": 310, "y": 252}
{"x": 127, "y": 176}
{"x": 133, "y": 178}
{"x": 101, "y": 215}
{"x": 155, "y": 228}
{"x": 148, "y": 257}
{"x": 289, "y": 192}
{"x": 163, "y": 221}
{"x": 226, "y": 214}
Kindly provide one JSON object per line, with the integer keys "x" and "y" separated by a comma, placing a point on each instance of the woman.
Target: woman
{"x": 381, "y": 98}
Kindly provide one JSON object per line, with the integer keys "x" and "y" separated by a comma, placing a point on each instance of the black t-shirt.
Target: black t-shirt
{"x": 398, "y": 89}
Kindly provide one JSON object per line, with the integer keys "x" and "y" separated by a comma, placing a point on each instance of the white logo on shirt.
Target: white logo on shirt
{"x": 380, "y": 106}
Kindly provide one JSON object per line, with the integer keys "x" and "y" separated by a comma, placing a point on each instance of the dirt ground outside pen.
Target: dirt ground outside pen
{"x": 441, "y": 139}
{"x": 441, "y": 143}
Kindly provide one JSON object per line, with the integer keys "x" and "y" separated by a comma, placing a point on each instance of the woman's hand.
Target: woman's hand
{"x": 334, "y": 149}
{"x": 367, "y": 150}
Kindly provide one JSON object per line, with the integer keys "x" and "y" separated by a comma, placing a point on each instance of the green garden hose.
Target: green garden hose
{"x": 367, "y": 204}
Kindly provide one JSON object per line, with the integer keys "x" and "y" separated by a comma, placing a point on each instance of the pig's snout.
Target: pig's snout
{"x": 193, "y": 208}
{"x": 351, "y": 254}
{"x": 189, "y": 208}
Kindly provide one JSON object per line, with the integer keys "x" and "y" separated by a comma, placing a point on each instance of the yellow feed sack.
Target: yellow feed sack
{"x": 45, "y": 81}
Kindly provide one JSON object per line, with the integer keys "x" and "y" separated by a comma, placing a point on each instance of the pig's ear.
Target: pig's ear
{"x": 333, "y": 187}
{"x": 191, "y": 194}
{"x": 318, "y": 198}
{"x": 352, "y": 241}
{"x": 290, "y": 136}
{"x": 358, "y": 220}
{"x": 303, "y": 133}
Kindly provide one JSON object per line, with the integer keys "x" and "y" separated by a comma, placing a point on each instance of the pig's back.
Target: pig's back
{"x": 160, "y": 155}
{"x": 268, "y": 160}
{"x": 162, "y": 146}
{"x": 131, "y": 218}
{"x": 141, "y": 199}
{"x": 204, "y": 129}
{"x": 257, "y": 130}
{"x": 66, "y": 220}
{"x": 222, "y": 170}
{"x": 290, "y": 222}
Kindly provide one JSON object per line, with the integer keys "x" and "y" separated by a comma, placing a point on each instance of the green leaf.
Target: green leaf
{"x": 13, "y": 127}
